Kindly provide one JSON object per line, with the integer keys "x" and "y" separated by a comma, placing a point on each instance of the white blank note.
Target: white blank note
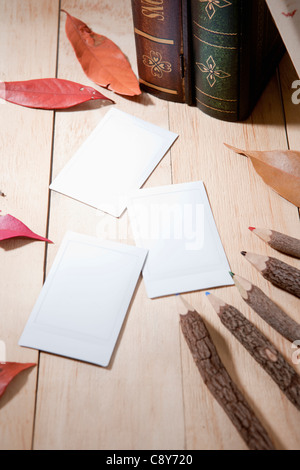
{"x": 118, "y": 157}
{"x": 176, "y": 225}
{"x": 286, "y": 14}
{"x": 84, "y": 300}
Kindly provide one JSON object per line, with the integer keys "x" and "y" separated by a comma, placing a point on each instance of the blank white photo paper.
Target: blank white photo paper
{"x": 117, "y": 158}
{"x": 175, "y": 224}
{"x": 85, "y": 298}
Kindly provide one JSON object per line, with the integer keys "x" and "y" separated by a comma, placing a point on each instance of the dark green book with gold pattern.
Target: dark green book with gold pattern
{"x": 235, "y": 50}
{"x": 215, "y": 54}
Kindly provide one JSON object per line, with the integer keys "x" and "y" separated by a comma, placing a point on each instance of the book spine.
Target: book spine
{"x": 161, "y": 48}
{"x": 215, "y": 28}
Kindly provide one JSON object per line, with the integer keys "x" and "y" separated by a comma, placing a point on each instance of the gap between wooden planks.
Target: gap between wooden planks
{"x": 239, "y": 199}
{"x": 28, "y": 44}
{"x": 137, "y": 402}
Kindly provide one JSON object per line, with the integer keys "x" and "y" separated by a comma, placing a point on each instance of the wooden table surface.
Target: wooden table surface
{"x": 151, "y": 396}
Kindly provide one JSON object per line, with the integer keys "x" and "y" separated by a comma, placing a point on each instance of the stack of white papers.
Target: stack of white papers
{"x": 176, "y": 225}
{"x": 117, "y": 158}
{"x": 84, "y": 300}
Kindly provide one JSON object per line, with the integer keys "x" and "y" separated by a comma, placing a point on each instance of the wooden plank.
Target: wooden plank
{"x": 28, "y": 42}
{"x": 136, "y": 403}
{"x": 239, "y": 199}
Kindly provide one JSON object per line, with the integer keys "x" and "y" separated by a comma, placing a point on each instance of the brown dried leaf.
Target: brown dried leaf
{"x": 279, "y": 169}
{"x": 101, "y": 59}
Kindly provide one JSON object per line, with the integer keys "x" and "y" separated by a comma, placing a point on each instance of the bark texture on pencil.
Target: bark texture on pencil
{"x": 261, "y": 349}
{"x": 277, "y": 272}
{"x": 218, "y": 381}
{"x": 279, "y": 241}
{"x": 270, "y": 312}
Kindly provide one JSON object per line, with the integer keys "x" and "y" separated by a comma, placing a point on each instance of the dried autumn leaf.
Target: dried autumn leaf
{"x": 48, "y": 93}
{"x": 101, "y": 59}
{"x": 279, "y": 169}
{"x": 10, "y": 227}
{"x": 8, "y": 371}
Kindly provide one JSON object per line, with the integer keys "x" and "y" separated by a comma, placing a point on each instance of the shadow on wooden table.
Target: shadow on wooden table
{"x": 14, "y": 387}
{"x": 16, "y": 243}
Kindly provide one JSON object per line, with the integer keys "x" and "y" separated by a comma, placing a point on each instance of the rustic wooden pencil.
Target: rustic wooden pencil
{"x": 279, "y": 241}
{"x": 277, "y": 272}
{"x": 218, "y": 381}
{"x": 260, "y": 348}
{"x": 267, "y": 309}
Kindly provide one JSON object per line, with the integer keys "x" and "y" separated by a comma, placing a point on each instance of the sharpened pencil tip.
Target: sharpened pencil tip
{"x": 243, "y": 253}
{"x": 251, "y": 228}
{"x": 231, "y": 273}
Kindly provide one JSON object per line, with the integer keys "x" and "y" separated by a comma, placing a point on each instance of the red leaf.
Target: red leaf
{"x": 10, "y": 227}
{"x": 101, "y": 59}
{"x": 8, "y": 371}
{"x": 48, "y": 93}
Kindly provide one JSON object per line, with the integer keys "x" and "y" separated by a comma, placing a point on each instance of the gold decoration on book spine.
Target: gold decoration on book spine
{"x": 158, "y": 66}
{"x": 212, "y": 4}
{"x": 212, "y": 72}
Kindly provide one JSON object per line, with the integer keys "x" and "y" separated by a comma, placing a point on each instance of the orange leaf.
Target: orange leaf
{"x": 101, "y": 59}
{"x": 8, "y": 371}
{"x": 279, "y": 169}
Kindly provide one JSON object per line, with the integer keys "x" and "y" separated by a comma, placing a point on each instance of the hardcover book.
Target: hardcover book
{"x": 215, "y": 54}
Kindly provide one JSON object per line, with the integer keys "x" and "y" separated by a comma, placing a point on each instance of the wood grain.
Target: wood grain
{"x": 141, "y": 391}
{"x": 26, "y": 140}
{"x": 236, "y": 194}
{"x": 151, "y": 397}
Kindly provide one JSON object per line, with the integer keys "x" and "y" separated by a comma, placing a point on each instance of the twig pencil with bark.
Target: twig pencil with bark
{"x": 260, "y": 348}
{"x": 219, "y": 382}
{"x": 280, "y": 274}
{"x": 279, "y": 241}
{"x": 267, "y": 309}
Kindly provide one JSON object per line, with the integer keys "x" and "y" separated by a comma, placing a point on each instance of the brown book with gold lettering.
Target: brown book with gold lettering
{"x": 162, "y": 47}
{"x": 215, "y": 54}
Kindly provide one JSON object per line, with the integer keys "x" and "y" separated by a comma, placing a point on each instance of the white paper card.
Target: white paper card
{"x": 286, "y": 14}
{"x": 84, "y": 300}
{"x": 176, "y": 225}
{"x": 117, "y": 158}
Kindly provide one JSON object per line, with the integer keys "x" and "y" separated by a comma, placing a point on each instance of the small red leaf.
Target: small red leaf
{"x": 101, "y": 59}
{"x": 48, "y": 93}
{"x": 10, "y": 227}
{"x": 8, "y": 371}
